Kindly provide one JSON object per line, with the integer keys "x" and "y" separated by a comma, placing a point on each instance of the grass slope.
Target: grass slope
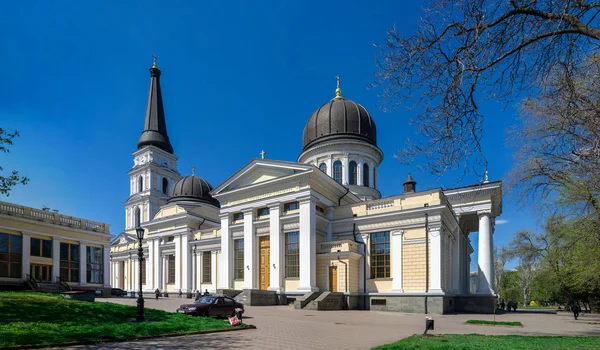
{"x": 36, "y": 318}
{"x": 489, "y": 342}
{"x": 495, "y": 323}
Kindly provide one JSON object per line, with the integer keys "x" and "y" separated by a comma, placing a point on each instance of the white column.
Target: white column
{"x": 435, "y": 265}
{"x": 150, "y": 262}
{"x": 485, "y": 283}
{"x": 249, "y": 248}
{"x": 26, "y": 255}
{"x": 397, "y": 265}
{"x": 213, "y": 270}
{"x": 359, "y": 173}
{"x": 194, "y": 270}
{"x": 185, "y": 263}
{"x": 276, "y": 241}
{"x": 164, "y": 271}
{"x": 56, "y": 258}
{"x": 308, "y": 246}
{"x": 105, "y": 265}
{"x": 372, "y": 175}
{"x": 329, "y": 214}
{"x": 157, "y": 267}
{"x": 362, "y": 273}
{"x": 329, "y": 163}
{"x": 456, "y": 276}
{"x": 345, "y": 169}
{"x": 178, "y": 262}
{"x": 83, "y": 264}
{"x": 225, "y": 277}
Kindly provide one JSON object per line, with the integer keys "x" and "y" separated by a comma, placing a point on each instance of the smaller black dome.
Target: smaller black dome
{"x": 192, "y": 189}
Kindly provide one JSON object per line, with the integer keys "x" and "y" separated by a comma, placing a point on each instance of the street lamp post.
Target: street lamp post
{"x": 140, "y": 300}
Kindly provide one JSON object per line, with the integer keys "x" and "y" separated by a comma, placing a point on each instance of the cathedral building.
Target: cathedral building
{"x": 315, "y": 231}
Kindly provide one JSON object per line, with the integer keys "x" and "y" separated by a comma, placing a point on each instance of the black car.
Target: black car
{"x": 212, "y": 306}
{"x": 118, "y": 292}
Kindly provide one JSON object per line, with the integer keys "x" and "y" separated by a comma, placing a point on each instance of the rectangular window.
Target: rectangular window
{"x": 238, "y": 217}
{"x": 206, "y": 267}
{"x": 238, "y": 259}
{"x": 291, "y": 206}
{"x": 95, "y": 264}
{"x": 171, "y": 269}
{"x": 380, "y": 255}
{"x": 41, "y": 247}
{"x": 10, "y": 255}
{"x": 261, "y": 212}
{"x": 144, "y": 271}
{"x": 69, "y": 262}
{"x": 292, "y": 254}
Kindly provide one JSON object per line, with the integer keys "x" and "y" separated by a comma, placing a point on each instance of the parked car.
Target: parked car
{"x": 212, "y": 306}
{"x": 118, "y": 292}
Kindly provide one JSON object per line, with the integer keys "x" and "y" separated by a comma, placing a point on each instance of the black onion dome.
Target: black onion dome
{"x": 192, "y": 189}
{"x": 339, "y": 119}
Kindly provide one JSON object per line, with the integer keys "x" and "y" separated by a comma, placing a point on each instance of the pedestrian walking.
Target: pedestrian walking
{"x": 179, "y": 296}
{"x": 576, "y": 310}
{"x": 157, "y": 293}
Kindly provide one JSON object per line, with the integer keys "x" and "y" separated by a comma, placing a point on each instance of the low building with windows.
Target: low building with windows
{"x": 49, "y": 248}
{"x": 315, "y": 230}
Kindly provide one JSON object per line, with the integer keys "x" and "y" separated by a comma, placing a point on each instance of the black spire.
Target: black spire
{"x": 155, "y": 127}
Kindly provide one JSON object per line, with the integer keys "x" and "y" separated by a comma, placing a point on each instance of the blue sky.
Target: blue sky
{"x": 238, "y": 77}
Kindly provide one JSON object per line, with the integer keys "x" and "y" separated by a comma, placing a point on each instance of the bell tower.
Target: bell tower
{"x": 154, "y": 169}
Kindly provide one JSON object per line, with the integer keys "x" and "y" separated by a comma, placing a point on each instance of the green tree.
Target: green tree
{"x": 7, "y": 182}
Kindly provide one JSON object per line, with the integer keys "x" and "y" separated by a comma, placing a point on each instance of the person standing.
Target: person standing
{"x": 180, "y": 293}
{"x": 157, "y": 293}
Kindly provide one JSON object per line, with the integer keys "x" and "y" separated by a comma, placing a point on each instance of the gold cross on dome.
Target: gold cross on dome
{"x": 337, "y": 77}
{"x": 193, "y": 170}
{"x": 262, "y": 154}
{"x": 155, "y": 58}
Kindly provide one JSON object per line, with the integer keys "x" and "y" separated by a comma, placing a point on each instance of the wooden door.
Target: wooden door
{"x": 264, "y": 247}
{"x": 41, "y": 273}
{"x": 333, "y": 279}
{"x": 122, "y": 274}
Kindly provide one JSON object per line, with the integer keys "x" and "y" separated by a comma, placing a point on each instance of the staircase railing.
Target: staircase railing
{"x": 32, "y": 282}
{"x": 64, "y": 285}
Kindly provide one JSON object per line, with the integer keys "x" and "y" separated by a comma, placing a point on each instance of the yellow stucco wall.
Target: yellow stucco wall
{"x": 47, "y": 231}
{"x": 379, "y": 285}
{"x": 413, "y": 261}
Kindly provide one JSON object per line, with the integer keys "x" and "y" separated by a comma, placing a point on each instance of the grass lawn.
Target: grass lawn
{"x": 495, "y": 323}
{"x": 37, "y": 318}
{"x": 492, "y": 342}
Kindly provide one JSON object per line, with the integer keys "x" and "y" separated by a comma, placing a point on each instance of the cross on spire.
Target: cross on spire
{"x": 262, "y": 154}
{"x": 193, "y": 170}
{"x": 338, "y": 90}
{"x": 155, "y": 58}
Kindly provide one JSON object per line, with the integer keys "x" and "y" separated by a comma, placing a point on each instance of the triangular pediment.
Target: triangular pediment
{"x": 122, "y": 238}
{"x": 261, "y": 171}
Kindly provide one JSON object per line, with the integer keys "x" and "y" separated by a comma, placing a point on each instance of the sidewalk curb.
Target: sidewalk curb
{"x": 121, "y": 340}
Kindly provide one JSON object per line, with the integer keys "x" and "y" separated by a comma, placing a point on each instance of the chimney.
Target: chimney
{"x": 410, "y": 185}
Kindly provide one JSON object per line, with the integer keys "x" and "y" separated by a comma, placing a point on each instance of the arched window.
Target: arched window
{"x": 366, "y": 174}
{"x": 138, "y": 217}
{"x": 165, "y": 185}
{"x": 337, "y": 171}
{"x": 323, "y": 167}
{"x": 140, "y": 183}
{"x": 353, "y": 173}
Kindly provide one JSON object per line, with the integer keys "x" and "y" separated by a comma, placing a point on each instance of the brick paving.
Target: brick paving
{"x": 282, "y": 327}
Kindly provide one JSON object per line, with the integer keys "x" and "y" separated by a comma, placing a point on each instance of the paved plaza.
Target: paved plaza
{"x": 282, "y": 327}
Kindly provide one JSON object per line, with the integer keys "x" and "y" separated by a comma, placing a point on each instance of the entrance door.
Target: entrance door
{"x": 122, "y": 274}
{"x": 41, "y": 273}
{"x": 264, "y": 247}
{"x": 333, "y": 281}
